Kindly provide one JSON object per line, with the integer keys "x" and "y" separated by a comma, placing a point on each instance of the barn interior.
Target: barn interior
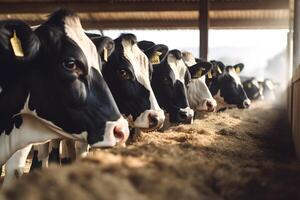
{"x": 236, "y": 154}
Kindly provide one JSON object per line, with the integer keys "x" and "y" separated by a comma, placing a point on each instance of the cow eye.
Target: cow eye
{"x": 70, "y": 65}
{"x": 124, "y": 75}
{"x": 166, "y": 80}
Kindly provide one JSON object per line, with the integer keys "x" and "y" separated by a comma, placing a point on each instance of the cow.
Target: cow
{"x": 127, "y": 72}
{"x": 134, "y": 95}
{"x": 225, "y": 85}
{"x": 60, "y": 93}
{"x": 169, "y": 81}
{"x": 253, "y": 88}
{"x": 268, "y": 88}
{"x": 199, "y": 96}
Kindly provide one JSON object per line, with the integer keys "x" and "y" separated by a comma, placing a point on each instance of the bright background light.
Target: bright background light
{"x": 262, "y": 51}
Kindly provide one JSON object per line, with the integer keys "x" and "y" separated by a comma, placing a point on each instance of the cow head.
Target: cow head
{"x": 227, "y": 85}
{"x": 253, "y": 89}
{"x": 128, "y": 72}
{"x": 169, "y": 82}
{"x": 66, "y": 87}
{"x": 199, "y": 95}
{"x": 268, "y": 89}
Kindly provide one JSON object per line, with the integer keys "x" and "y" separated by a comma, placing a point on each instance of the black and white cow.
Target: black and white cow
{"x": 225, "y": 85}
{"x": 268, "y": 88}
{"x": 253, "y": 88}
{"x": 199, "y": 95}
{"x": 60, "y": 94}
{"x": 128, "y": 72}
{"x": 169, "y": 80}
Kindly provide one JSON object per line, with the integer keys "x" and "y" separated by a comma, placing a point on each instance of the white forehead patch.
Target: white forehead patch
{"x": 140, "y": 64}
{"x": 269, "y": 84}
{"x": 255, "y": 82}
{"x": 178, "y": 67}
{"x": 75, "y": 31}
{"x": 235, "y": 76}
{"x": 188, "y": 58}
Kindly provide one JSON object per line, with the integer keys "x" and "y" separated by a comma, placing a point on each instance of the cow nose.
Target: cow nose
{"x": 121, "y": 134}
{"x": 153, "y": 120}
{"x": 246, "y": 103}
{"x": 210, "y": 106}
{"x": 185, "y": 117}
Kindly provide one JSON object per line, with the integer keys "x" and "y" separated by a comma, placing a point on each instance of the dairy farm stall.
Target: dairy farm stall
{"x": 92, "y": 108}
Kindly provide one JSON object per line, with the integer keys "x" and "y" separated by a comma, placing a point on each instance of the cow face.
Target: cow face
{"x": 268, "y": 89}
{"x": 169, "y": 82}
{"x": 66, "y": 87}
{"x": 199, "y": 95}
{"x": 253, "y": 89}
{"x": 228, "y": 87}
{"x": 128, "y": 72}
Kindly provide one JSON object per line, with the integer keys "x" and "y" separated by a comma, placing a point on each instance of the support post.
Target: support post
{"x": 204, "y": 26}
{"x": 296, "y": 79}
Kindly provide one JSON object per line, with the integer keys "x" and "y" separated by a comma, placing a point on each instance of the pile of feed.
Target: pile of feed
{"x": 236, "y": 154}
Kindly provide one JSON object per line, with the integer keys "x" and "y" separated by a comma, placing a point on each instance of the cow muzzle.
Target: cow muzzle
{"x": 246, "y": 103}
{"x": 150, "y": 120}
{"x": 208, "y": 105}
{"x": 116, "y": 133}
{"x": 186, "y": 115}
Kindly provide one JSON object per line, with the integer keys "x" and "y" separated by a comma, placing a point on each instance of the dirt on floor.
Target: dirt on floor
{"x": 236, "y": 154}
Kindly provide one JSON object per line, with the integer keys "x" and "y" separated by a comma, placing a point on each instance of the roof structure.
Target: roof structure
{"x": 155, "y": 14}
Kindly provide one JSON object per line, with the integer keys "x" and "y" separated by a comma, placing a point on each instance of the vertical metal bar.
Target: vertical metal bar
{"x": 204, "y": 26}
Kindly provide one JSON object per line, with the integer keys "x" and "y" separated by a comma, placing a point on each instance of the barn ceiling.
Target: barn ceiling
{"x": 118, "y": 14}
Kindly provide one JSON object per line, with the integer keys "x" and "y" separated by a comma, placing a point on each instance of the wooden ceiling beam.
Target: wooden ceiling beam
{"x": 182, "y": 24}
{"x": 86, "y": 6}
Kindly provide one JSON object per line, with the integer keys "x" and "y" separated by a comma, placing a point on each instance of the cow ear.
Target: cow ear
{"x": 200, "y": 69}
{"x": 218, "y": 67}
{"x": 238, "y": 67}
{"x": 18, "y": 43}
{"x": 105, "y": 46}
{"x": 187, "y": 77}
{"x": 155, "y": 52}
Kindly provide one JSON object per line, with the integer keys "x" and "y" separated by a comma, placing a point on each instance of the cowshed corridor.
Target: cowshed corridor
{"x": 235, "y": 154}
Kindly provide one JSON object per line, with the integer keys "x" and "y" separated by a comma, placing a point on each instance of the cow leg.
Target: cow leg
{"x": 30, "y": 132}
{"x": 68, "y": 153}
{"x": 81, "y": 149}
{"x": 15, "y": 166}
{"x": 54, "y": 156}
{"x": 40, "y": 156}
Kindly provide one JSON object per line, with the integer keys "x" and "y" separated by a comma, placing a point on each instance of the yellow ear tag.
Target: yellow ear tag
{"x": 155, "y": 58}
{"x": 209, "y": 75}
{"x": 16, "y": 45}
{"x": 199, "y": 73}
{"x": 219, "y": 70}
{"x": 237, "y": 70}
{"x": 105, "y": 55}
{"x": 249, "y": 85}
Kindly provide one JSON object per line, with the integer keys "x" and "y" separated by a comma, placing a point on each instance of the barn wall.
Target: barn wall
{"x": 296, "y": 112}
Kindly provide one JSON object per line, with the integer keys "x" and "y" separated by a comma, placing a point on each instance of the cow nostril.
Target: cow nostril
{"x": 119, "y": 134}
{"x": 153, "y": 120}
{"x": 209, "y": 104}
{"x": 182, "y": 116}
{"x": 246, "y": 104}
